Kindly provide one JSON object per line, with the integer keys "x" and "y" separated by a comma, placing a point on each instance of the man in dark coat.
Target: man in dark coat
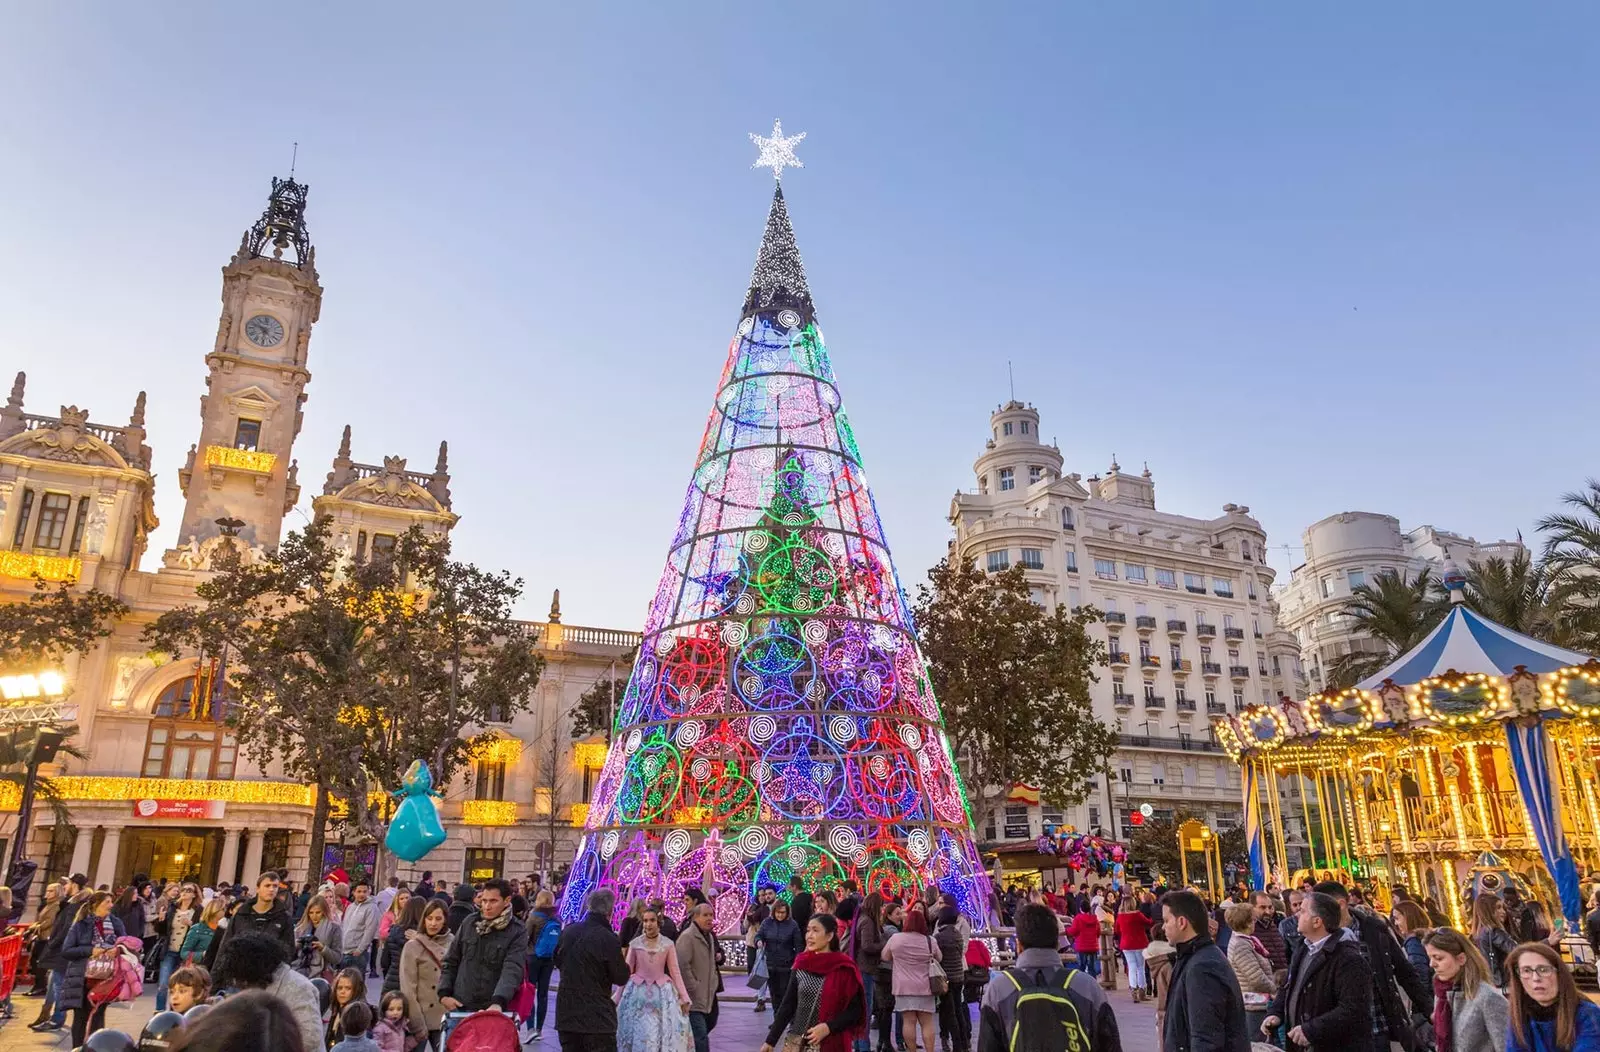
{"x": 425, "y": 885}
{"x": 487, "y": 957}
{"x": 1205, "y": 1010}
{"x": 53, "y": 1011}
{"x": 1324, "y": 1003}
{"x": 589, "y": 957}
{"x": 1390, "y": 971}
{"x": 266, "y": 914}
{"x": 801, "y": 904}
{"x": 461, "y": 907}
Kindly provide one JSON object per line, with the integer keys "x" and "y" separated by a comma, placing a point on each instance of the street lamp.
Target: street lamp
{"x": 1388, "y": 848}
{"x": 33, "y": 698}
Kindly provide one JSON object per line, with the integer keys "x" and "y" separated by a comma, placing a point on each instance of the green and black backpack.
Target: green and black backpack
{"x": 1045, "y": 1019}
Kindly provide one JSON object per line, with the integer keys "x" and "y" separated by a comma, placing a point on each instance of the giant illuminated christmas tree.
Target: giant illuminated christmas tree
{"x": 779, "y": 718}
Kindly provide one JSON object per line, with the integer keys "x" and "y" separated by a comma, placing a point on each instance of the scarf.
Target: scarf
{"x": 484, "y": 927}
{"x": 841, "y": 984}
{"x": 1443, "y": 1020}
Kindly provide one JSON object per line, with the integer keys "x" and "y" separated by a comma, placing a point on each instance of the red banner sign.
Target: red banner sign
{"x": 177, "y": 808}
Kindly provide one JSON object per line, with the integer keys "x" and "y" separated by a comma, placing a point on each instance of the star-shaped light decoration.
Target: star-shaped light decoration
{"x": 777, "y": 152}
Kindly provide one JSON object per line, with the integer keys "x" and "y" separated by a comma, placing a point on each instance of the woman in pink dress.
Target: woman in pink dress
{"x": 652, "y": 1011}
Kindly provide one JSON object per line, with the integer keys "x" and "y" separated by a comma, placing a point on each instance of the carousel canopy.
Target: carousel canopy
{"x": 1466, "y": 642}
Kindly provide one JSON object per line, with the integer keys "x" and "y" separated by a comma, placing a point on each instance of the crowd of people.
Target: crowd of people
{"x": 1314, "y": 968}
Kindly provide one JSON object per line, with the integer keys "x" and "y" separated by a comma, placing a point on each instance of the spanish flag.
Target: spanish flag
{"x": 1022, "y": 793}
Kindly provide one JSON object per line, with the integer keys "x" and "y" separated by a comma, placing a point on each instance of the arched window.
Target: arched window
{"x": 186, "y": 738}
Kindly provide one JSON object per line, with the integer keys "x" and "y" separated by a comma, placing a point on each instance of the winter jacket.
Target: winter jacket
{"x": 1478, "y": 1024}
{"x": 133, "y": 917}
{"x": 1417, "y": 954}
{"x": 393, "y": 946}
{"x": 245, "y": 920}
{"x": 1272, "y": 941}
{"x": 196, "y": 941}
{"x": 360, "y": 924}
{"x": 869, "y": 945}
{"x": 461, "y": 908}
{"x": 1205, "y": 1011}
{"x": 1250, "y": 967}
{"x": 1329, "y": 996}
{"x": 1133, "y": 931}
{"x": 76, "y": 950}
{"x": 312, "y": 964}
{"x": 910, "y": 956}
{"x": 998, "y": 1012}
{"x": 391, "y": 1038}
{"x": 421, "y": 962}
{"x": 952, "y": 954}
{"x": 1293, "y": 941}
{"x": 697, "y": 961}
{"x": 1158, "y": 957}
{"x": 1085, "y": 932}
{"x": 1496, "y": 945}
{"x": 1392, "y": 972}
{"x": 781, "y": 940}
{"x": 591, "y": 963}
{"x": 296, "y": 991}
{"x": 487, "y": 968}
{"x": 52, "y": 958}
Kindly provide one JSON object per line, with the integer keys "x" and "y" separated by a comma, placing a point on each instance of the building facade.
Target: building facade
{"x": 1350, "y": 549}
{"x": 164, "y": 789}
{"x": 1189, "y": 623}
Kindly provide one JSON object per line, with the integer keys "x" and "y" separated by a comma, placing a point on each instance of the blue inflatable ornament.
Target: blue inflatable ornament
{"x": 415, "y": 829}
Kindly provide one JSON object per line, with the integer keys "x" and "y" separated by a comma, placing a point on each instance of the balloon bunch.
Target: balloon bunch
{"x": 1082, "y": 851}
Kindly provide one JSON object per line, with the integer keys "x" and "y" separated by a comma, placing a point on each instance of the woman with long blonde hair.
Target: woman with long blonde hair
{"x": 1469, "y": 1014}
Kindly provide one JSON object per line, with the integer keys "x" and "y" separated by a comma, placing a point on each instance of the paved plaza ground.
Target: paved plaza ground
{"x": 739, "y": 1030}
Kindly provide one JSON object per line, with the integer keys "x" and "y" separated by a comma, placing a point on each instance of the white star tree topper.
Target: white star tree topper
{"x": 777, "y": 152}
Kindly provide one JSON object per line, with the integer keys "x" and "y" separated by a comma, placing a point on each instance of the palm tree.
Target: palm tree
{"x": 1394, "y": 613}
{"x": 1513, "y": 592}
{"x": 1572, "y": 563}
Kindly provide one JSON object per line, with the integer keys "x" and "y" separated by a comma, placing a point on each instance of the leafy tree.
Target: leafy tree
{"x": 346, "y": 673}
{"x": 1156, "y": 845}
{"x": 55, "y": 622}
{"x": 1572, "y": 565}
{"x": 596, "y": 707}
{"x": 1393, "y": 612}
{"x": 1013, "y": 681}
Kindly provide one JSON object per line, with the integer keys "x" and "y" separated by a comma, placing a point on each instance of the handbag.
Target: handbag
{"x": 758, "y": 972}
{"x": 938, "y": 982}
{"x": 100, "y": 967}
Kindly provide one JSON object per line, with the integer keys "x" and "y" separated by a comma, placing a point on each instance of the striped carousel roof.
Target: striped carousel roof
{"x": 1466, "y": 642}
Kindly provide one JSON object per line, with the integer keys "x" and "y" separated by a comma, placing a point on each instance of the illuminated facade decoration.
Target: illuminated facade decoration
{"x": 1479, "y": 743}
{"x": 488, "y": 812}
{"x": 243, "y": 459}
{"x": 49, "y": 567}
{"x": 779, "y": 720}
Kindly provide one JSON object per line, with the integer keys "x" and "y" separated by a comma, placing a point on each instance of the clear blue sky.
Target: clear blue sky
{"x": 1302, "y": 258}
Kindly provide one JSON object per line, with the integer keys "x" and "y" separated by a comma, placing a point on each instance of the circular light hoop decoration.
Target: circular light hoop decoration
{"x": 1454, "y": 699}
{"x": 918, "y": 846}
{"x": 808, "y": 781}
{"x": 796, "y": 579}
{"x": 842, "y": 841}
{"x": 770, "y": 669}
{"x": 650, "y": 782}
{"x": 815, "y": 865}
{"x": 753, "y": 840}
{"x": 762, "y": 728}
{"x": 608, "y": 843}
{"x": 1264, "y": 727}
{"x": 746, "y": 325}
{"x": 1347, "y": 713}
{"x": 1574, "y": 690}
{"x": 676, "y": 844}
{"x": 788, "y": 319}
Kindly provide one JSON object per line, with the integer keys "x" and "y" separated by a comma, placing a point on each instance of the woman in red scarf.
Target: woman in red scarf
{"x": 824, "y": 1008}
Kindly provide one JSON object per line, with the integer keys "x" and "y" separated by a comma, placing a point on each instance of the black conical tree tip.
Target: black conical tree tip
{"x": 779, "y": 280}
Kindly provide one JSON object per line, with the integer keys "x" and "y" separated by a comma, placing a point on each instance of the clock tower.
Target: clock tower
{"x": 241, "y": 470}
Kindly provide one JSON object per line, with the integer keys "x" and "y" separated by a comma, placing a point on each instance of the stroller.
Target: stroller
{"x": 486, "y": 1031}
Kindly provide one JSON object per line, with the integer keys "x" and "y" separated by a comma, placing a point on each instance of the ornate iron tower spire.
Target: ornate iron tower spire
{"x": 282, "y": 227}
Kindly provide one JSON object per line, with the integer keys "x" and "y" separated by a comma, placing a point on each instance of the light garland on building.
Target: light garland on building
{"x": 579, "y": 816}
{"x": 498, "y": 750}
{"x": 90, "y": 787}
{"x": 50, "y": 567}
{"x": 1449, "y": 699}
{"x": 488, "y": 812}
{"x": 242, "y": 459}
{"x": 589, "y": 754}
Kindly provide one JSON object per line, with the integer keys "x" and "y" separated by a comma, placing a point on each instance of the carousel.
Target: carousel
{"x": 1467, "y": 763}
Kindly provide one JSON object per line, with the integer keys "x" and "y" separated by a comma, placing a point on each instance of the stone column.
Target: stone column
{"x": 80, "y": 850}
{"x": 106, "y": 871}
{"x": 252, "y": 856}
{"x": 230, "y": 855}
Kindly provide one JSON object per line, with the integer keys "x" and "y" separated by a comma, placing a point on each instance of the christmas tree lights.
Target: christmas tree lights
{"x": 778, "y": 720}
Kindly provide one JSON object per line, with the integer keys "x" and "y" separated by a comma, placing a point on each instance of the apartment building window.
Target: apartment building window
{"x": 184, "y": 739}
{"x": 1116, "y": 686}
{"x": 1250, "y": 586}
{"x": 1066, "y": 519}
{"x": 1144, "y": 649}
{"x": 999, "y": 561}
{"x": 53, "y": 512}
{"x": 1106, "y": 569}
{"x": 1227, "y": 621}
{"x": 1032, "y": 559}
{"x": 1017, "y": 826}
{"x": 983, "y": 484}
{"x": 1205, "y": 655}
{"x": 1006, "y": 427}
{"x": 1134, "y": 573}
{"x": 1072, "y": 561}
{"x": 1149, "y": 692}
{"x": 1158, "y": 774}
{"x": 1074, "y": 595}
{"x": 488, "y": 780}
{"x": 1126, "y": 775}
{"x": 1024, "y": 427}
{"x": 1178, "y": 693}
{"x": 247, "y": 435}
{"x": 484, "y": 863}
{"x": 1008, "y": 478}
{"x": 1052, "y": 815}
{"x": 1327, "y": 587}
{"x": 1255, "y": 627}
{"x": 1177, "y": 654}
{"x": 1244, "y": 550}
{"x": 383, "y": 546}
{"x": 1233, "y": 656}
{"x": 1222, "y": 586}
{"x": 1194, "y": 583}
{"x": 22, "y": 518}
{"x": 1355, "y": 578}
{"x": 1094, "y": 816}
{"x": 78, "y": 524}
{"x": 1211, "y": 698}
{"x": 1238, "y": 700}
{"x": 1261, "y": 664}
{"x": 1166, "y": 578}
{"x": 1035, "y": 472}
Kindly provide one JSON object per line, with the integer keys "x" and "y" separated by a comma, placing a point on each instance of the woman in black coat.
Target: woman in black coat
{"x": 94, "y": 933}
{"x": 394, "y": 943}
{"x": 780, "y": 937}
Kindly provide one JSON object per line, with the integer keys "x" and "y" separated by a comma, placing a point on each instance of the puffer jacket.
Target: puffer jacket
{"x": 952, "y": 954}
{"x": 393, "y": 946}
{"x": 52, "y": 958}
{"x": 1252, "y": 968}
{"x": 76, "y": 950}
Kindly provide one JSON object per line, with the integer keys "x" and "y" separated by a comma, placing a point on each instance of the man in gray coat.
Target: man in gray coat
{"x": 698, "y": 958}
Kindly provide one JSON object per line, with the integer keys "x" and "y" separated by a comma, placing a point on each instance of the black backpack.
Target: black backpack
{"x": 1045, "y": 1018}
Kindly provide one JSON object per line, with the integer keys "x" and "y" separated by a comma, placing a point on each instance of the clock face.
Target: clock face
{"x": 264, "y": 330}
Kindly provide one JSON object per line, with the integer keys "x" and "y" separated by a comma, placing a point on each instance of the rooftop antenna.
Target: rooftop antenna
{"x": 1011, "y": 379}
{"x": 294, "y": 159}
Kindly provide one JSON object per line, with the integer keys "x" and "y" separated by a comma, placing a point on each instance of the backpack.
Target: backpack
{"x": 549, "y": 936}
{"x": 1045, "y": 1018}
